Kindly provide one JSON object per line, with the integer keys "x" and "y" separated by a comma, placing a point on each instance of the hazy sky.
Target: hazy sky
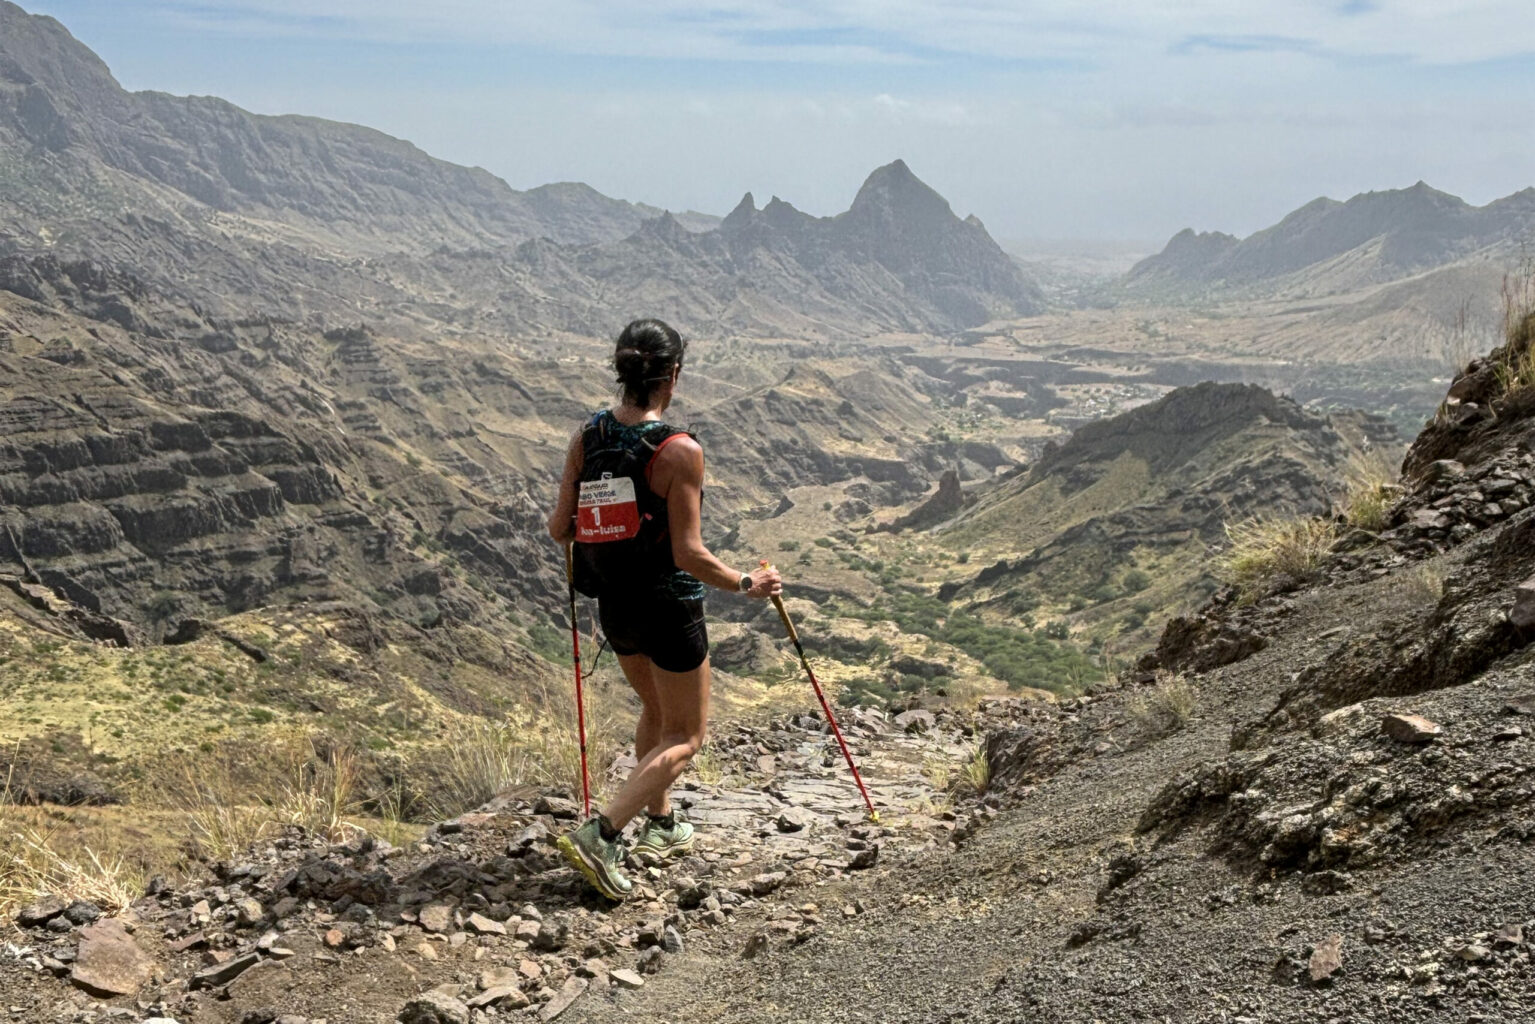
{"x": 1051, "y": 119}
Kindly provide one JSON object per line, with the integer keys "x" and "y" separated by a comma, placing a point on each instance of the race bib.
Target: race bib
{"x": 607, "y": 511}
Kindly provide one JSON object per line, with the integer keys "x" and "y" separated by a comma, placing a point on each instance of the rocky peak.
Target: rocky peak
{"x": 744, "y": 213}
{"x": 892, "y": 195}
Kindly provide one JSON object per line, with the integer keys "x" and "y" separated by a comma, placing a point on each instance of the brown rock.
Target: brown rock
{"x": 193, "y": 941}
{"x": 1509, "y": 935}
{"x": 531, "y": 969}
{"x": 573, "y": 989}
{"x": 754, "y": 945}
{"x": 1409, "y": 728}
{"x": 108, "y": 962}
{"x": 335, "y": 938}
{"x": 250, "y": 912}
{"x": 1327, "y": 958}
{"x": 485, "y": 926}
{"x": 507, "y": 997}
{"x": 435, "y": 917}
{"x": 498, "y": 977}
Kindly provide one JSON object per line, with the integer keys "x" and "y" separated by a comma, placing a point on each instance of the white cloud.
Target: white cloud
{"x": 881, "y": 31}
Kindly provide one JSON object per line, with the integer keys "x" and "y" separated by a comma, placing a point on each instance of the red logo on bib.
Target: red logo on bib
{"x": 607, "y": 511}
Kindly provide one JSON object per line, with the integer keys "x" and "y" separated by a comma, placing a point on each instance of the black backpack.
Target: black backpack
{"x": 622, "y": 536}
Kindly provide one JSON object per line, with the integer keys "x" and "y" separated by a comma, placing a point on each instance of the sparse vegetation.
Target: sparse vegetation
{"x": 1515, "y": 366}
{"x": 1426, "y": 583}
{"x": 976, "y": 771}
{"x": 37, "y": 859}
{"x": 708, "y": 766}
{"x": 1370, "y": 490}
{"x": 1269, "y": 550}
{"x": 1165, "y": 707}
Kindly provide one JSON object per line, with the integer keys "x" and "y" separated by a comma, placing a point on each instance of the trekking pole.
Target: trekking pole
{"x": 575, "y": 644}
{"x": 799, "y": 648}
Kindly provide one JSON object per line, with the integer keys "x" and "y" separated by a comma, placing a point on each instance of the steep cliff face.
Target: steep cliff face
{"x": 178, "y": 468}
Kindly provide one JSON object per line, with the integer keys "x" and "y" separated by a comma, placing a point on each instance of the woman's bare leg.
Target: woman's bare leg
{"x": 647, "y": 731}
{"x": 683, "y": 698}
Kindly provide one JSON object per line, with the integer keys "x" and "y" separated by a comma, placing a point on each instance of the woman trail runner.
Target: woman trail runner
{"x": 630, "y": 502}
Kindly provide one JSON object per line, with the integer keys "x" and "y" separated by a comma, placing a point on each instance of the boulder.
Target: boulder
{"x": 108, "y": 962}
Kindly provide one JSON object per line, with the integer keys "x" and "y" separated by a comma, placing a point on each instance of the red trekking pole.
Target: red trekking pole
{"x": 575, "y": 644}
{"x": 836, "y": 731}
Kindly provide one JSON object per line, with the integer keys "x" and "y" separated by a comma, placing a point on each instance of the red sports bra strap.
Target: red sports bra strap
{"x": 657, "y": 453}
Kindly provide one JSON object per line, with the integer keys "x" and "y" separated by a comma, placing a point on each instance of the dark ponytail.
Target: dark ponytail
{"x": 646, "y": 353}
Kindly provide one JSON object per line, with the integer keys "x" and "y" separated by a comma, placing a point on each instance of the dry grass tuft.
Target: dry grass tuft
{"x": 1267, "y": 550}
{"x": 1166, "y": 706}
{"x": 708, "y": 766}
{"x": 231, "y": 805}
{"x": 1425, "y": 583}
{"x": 975, "y": 772}
{"x": 1371, "y": 489}
{"x": 481, "y": 759}
{"x": 1516, "y": 363}
{"x": 33, "y": 863}
{"x": 944, "y": 775}
{"x": 320, "y": 794}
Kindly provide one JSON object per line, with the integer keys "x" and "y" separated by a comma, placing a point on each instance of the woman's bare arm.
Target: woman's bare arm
{"x": 678, "y": 476}
{"x": 562, "y": 521}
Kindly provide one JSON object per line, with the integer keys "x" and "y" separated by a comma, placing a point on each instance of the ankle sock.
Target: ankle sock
{"x": 608, "y": 832}
{"x": 667, "y": 820}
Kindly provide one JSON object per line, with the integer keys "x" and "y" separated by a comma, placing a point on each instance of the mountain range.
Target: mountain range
{"x": 1372, "y": 238}
{"x": 246, "y": 214}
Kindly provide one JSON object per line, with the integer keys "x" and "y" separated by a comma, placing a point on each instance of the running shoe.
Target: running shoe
{"x": 657, "y": 840}
{"x": 599, "y": 861}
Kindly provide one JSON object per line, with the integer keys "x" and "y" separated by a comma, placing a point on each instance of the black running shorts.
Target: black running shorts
{"x": 668, "y": 631}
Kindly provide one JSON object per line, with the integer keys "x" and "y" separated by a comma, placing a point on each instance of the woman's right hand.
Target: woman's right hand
{"x": 766, "y": 583}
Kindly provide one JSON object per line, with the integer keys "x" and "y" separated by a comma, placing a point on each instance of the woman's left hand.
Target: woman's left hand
{"x": 766, "y": 583}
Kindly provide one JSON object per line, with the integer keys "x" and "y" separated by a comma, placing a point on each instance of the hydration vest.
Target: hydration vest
{"x": 623, "y": 540}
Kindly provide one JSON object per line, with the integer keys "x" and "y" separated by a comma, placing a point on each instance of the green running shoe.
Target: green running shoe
{"x": 659, "y": 841}
{"x": 598, "y": 860}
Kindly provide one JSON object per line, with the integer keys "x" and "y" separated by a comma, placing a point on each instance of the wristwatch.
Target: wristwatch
{"x": 745, "y": 584}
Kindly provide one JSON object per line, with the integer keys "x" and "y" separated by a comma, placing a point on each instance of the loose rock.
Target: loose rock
{"x": 572, "y": 990}
{"x": 108, "y": 962}
{"x": 1326, "y": 959}
{"x": 434, "y": 1008}
{"x": 1409, "y": 728}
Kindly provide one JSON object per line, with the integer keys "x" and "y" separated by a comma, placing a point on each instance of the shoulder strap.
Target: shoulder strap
{"x": 668, "y": 439}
